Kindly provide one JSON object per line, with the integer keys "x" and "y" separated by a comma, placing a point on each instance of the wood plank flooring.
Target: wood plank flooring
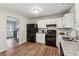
{"x": 31, "y": 49}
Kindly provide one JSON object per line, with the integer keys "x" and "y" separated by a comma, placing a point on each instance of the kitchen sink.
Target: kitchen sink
{"x": 66, "y": 38}
{"x": 70, "y": 39}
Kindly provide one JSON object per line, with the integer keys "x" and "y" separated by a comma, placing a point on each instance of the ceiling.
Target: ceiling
{"x": 46, "y": 9}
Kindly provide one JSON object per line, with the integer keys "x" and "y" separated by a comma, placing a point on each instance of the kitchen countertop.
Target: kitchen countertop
{"x": 70, "y": 48}
{"x": 40, "y": 33}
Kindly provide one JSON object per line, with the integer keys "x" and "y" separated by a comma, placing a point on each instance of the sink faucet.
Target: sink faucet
{"x": 75, "y": 38}
{"x": 76, "y": 32}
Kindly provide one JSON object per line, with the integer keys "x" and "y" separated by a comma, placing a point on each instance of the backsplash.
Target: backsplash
{"x": 66, "y": 31}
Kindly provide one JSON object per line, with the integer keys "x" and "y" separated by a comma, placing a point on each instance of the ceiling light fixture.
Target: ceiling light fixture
{"x": 36, "y": 10}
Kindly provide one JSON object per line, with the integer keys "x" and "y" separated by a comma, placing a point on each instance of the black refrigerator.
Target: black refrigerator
{"x": 32, "y": 29}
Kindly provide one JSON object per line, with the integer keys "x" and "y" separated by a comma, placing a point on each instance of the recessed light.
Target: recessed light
{"x": 36, "y": 10}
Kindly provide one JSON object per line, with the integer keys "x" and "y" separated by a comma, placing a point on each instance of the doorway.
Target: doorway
{"x": 12, "y": 28}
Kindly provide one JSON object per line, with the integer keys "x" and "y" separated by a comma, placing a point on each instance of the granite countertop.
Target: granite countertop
{"x": 70, "y": 48}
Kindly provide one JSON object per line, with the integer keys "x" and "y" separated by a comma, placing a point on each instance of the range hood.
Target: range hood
{"x": 51, "y": 25}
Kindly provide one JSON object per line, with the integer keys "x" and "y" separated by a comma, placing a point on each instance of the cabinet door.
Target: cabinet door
{"x": 42, "y": 24}
{"x": 59, "y": 22}
{"x": 76, "y": 17}
{"x": 42, "y": 38}
{"x": 64, "y": 21}
{"x": 77, "y": 13}
{"x": 37, "y": 38}
{"x": 47, "y": 22}
{"x": 53, "y": 21}
{"x": 68, "y": 20}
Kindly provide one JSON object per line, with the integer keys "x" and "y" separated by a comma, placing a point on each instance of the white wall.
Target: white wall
{"x": 3, "y": 18}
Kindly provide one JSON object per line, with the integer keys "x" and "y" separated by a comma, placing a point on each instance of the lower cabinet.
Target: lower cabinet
{"x": 40, "y": 38}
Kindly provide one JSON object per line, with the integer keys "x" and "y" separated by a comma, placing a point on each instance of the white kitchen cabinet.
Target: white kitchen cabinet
{"x": 77, "y": 14}
{"x": 59, "y": 22}
{"x": 47, "y": 22}
{"x": 41, "y": 24}
{"x": 40, "y": 38}
{"x": 68, "y": 20}
{"x": 77, "y": 17}
{"x": 53, "y": 21}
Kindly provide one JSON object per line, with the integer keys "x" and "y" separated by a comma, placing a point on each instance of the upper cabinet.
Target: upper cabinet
{"x": 42, "y": 24}
{"x": 47, "y": 22}
{"x": 53, "y": 21}
{"x": 59, "y": 22}
{"x": 77, "y": 16}
{"x": 68, "y": 20}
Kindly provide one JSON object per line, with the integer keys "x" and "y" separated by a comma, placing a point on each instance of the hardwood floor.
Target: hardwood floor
{"x": 31, "y": 49}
